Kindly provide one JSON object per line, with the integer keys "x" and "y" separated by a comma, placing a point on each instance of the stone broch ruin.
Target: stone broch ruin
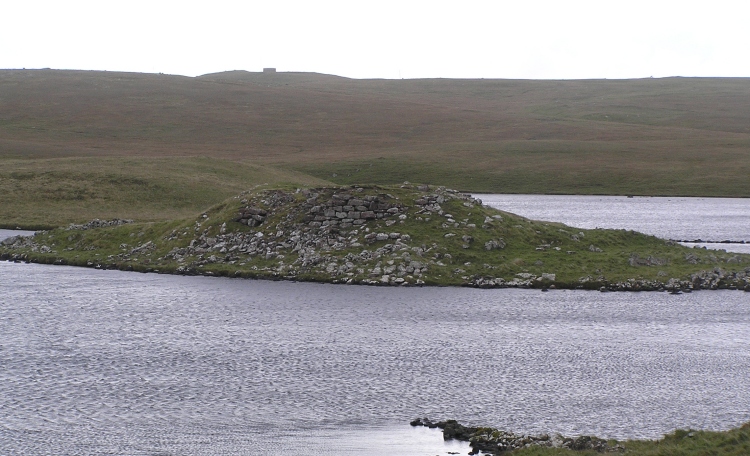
{"x": 342, "y": 209}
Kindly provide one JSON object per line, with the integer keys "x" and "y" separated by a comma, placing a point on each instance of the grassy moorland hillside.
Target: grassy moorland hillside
{"x": 85, "y": 134}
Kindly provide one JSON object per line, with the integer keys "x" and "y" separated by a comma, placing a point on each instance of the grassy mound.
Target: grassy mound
{"x": 405, "y": 235}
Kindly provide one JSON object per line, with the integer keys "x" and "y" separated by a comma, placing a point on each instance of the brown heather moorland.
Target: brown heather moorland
{"x": 75, "y": 145}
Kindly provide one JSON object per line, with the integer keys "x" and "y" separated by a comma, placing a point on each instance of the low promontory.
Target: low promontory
{"x": 401, "y": 235}
{"x": 681, "y": 442}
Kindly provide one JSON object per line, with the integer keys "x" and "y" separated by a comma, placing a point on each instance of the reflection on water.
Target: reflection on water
{"x": 368, "y": 441}
{"x": 109, "y": 362}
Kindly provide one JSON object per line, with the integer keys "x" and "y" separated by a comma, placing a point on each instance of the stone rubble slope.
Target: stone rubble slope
{"x": 348, "y": 236}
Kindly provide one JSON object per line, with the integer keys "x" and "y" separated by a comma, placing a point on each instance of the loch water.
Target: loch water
{"x": 108, "y": 362}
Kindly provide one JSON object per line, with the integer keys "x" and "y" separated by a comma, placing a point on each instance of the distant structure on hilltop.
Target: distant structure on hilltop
{"x": 269, "y": 70}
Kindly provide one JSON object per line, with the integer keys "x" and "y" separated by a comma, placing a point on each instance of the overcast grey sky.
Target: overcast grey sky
{"x": 543, "y": 39}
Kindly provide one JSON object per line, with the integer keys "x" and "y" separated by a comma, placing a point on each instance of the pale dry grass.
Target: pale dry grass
{"x": 51, "y": 192}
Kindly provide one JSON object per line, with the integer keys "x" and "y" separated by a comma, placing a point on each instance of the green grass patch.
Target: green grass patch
{"x": 735, "y": 442}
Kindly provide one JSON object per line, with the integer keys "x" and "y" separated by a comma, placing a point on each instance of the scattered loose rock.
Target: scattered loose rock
{"x": 96, "y": 223}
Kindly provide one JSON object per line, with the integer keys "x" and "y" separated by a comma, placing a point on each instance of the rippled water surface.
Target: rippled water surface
{"x": 108, "y": 362}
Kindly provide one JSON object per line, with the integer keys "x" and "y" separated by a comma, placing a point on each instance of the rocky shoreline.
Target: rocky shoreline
{"x": 411, "y": 235}
{"x": 496, "y": 442}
